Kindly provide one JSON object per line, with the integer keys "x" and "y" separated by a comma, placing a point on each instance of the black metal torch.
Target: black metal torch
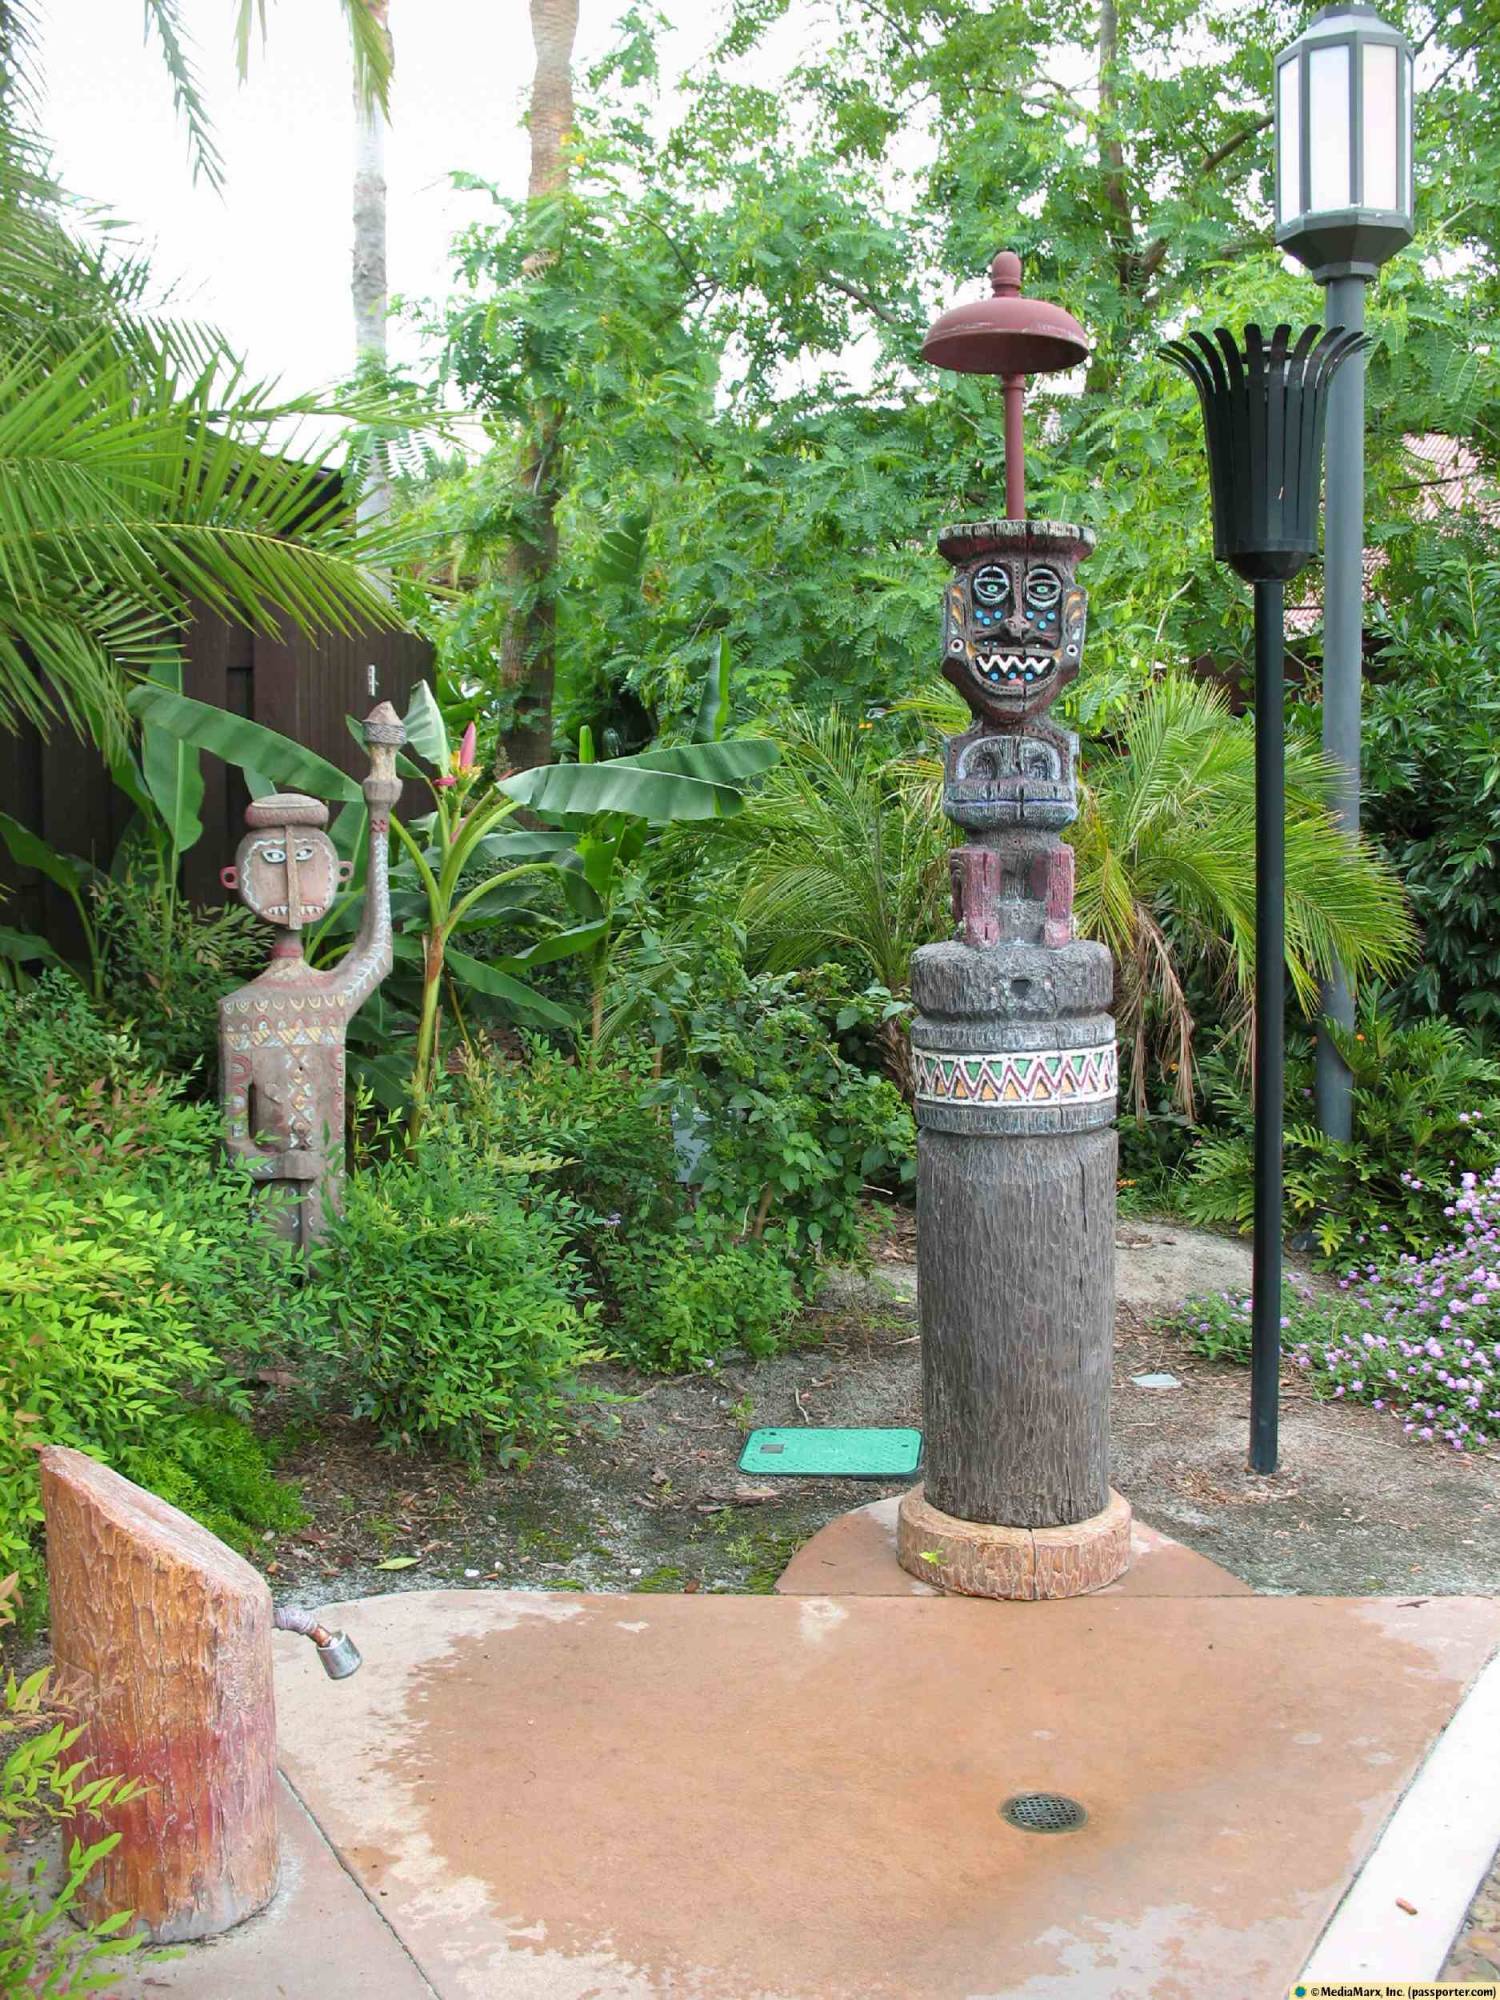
{"x": 1264, "y": 410}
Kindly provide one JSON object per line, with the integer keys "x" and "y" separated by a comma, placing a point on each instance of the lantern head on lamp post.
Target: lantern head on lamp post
{"x": 1264, "y": 409}
{"x": 1344, "y": 144}
{"x": 1344, "y": 204}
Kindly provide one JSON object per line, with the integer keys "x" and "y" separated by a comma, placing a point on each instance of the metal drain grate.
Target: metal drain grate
{"x": 1043, "y": 1812}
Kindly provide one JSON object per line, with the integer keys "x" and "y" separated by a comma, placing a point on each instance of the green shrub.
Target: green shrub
{"x": 588, "y": 1118}
{"x": 793, "y": 1134}
{"x": 1431, "y": 752}
{"x": 451, "y": 1304}
{"x": 1426, "y": 1109}
{"x": 42, "y": 1951}
{"x": 82, "y": 1097}
{"x": 167, "y": 962}
{"x": 708, "y": 1178}
{"x": 681, "y": 1303}
{"x": 83, "y": 1105}
{"x": 101, "y": 1341}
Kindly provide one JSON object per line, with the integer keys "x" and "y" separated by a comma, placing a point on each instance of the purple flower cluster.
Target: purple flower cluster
{"x": 1421, "y": 1338}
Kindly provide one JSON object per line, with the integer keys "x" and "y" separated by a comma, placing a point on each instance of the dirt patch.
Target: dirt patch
{"x": 1356, "y": 1509}
{"x": 648, "y": 1496}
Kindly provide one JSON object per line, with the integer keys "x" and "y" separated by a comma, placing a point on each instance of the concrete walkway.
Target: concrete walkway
{"x": 563, "y": 1797}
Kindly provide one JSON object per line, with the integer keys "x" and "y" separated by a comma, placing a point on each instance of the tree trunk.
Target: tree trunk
{"x": 1104, "y": 370}
{"x": 368, "y": 274}
{"x": 164, "y": 1636}
{"x": 528, "y": 656}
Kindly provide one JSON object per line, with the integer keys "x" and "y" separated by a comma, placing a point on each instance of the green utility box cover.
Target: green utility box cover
{"x": 808, "y": 1453}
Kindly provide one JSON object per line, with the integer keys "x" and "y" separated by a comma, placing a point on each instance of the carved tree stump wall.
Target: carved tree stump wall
{"x": 166, "y": 1635}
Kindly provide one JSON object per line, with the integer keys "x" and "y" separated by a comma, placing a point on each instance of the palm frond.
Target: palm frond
{"x": 369, "y": 43}
{"x": 840, "y": 858}
{"x": 164, "y": 20}
{"x": 1165, "y": 847}
{"x": 135, "y": 475}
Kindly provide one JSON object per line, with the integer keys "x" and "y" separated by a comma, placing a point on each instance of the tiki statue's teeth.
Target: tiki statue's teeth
{"x": 1013, "y": 666}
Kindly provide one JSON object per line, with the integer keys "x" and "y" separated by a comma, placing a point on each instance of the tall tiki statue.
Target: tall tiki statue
{"x": 1014, "y": 1054}
{"x": 281, "y": 1038}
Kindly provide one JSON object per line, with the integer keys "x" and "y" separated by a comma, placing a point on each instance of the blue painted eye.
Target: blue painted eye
{"x": 1043, "y": 587}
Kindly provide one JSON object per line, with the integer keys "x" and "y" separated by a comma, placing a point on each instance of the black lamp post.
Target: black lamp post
{"x": 1344, "y": 204}
{"x": 1264, "y": 409}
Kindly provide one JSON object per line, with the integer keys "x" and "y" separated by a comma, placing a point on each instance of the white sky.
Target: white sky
{"x": 268, "y": 261}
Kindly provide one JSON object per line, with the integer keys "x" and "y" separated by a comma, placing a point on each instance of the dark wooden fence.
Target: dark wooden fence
{"x": 304, "y": 688}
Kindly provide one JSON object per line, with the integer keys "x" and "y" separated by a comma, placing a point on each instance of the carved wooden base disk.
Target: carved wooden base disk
{"x": 981, "y": 1560}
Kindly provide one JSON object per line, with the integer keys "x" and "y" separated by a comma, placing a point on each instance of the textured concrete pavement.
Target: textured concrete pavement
{"x": 560, "y": 1797}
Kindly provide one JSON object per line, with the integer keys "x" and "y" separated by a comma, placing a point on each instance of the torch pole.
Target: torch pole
{"x": 1270, "y": 1021}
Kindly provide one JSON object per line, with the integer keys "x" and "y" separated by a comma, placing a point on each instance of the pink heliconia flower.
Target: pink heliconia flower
{"x": 466, "y": 748}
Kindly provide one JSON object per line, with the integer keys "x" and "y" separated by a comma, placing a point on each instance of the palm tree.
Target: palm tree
{"x": 135, "y": 470}
{"x": 1165, "y": 841}
{"x": 528, "y": 654}
{"x": 367, "y": 279}
{"x": 840, "y": 857}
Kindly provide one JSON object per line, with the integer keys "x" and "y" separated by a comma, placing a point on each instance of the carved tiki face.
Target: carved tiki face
{"x": 286, "y": 868}
{"x": 1013, "y": 616}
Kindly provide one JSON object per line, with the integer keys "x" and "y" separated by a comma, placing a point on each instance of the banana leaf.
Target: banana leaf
{"x": 241, "y": 742}
{"x": 713, "y": 710}
{"x": 29, "y": 850}
{"x": 426, "y": 731}
{"x": 618, "y": 551}
{"x": 725, "y": 762}
{"x": 689, "y": 781}
{"x": 489, "y": 980}
{"x": 560, "y": 944}
{"x": 25, "y": 948}
{"x": 171, "y": 768}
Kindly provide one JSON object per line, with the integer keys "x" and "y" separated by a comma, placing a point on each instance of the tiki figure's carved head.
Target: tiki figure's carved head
{"x": 1013, "y": 617}
{"x": 286, "y": 868}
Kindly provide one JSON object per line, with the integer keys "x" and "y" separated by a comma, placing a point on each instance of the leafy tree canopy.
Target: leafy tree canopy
{"x": 724, "y": 312}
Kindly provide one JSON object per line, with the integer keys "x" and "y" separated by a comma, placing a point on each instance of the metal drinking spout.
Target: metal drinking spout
{"x": 337, "y": 1651}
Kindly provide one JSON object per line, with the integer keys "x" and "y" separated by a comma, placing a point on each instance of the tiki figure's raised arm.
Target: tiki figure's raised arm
{"x": 369, "y": 958}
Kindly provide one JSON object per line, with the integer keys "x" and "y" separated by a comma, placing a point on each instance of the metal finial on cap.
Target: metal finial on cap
{"x": 1005, "y": 275}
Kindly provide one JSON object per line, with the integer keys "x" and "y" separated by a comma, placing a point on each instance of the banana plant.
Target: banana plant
{"x": 166, "y": 789}
{"x": 612, "y": 813}
{"x": 464, "y": 867}
{"x": 66, "y": 872}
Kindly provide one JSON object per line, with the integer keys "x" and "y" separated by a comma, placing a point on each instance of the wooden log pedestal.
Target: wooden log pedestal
{"x": 165, "y": 1635}
{"x": 979, "y": 1559}
{"x": 1016, "y": 1155}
